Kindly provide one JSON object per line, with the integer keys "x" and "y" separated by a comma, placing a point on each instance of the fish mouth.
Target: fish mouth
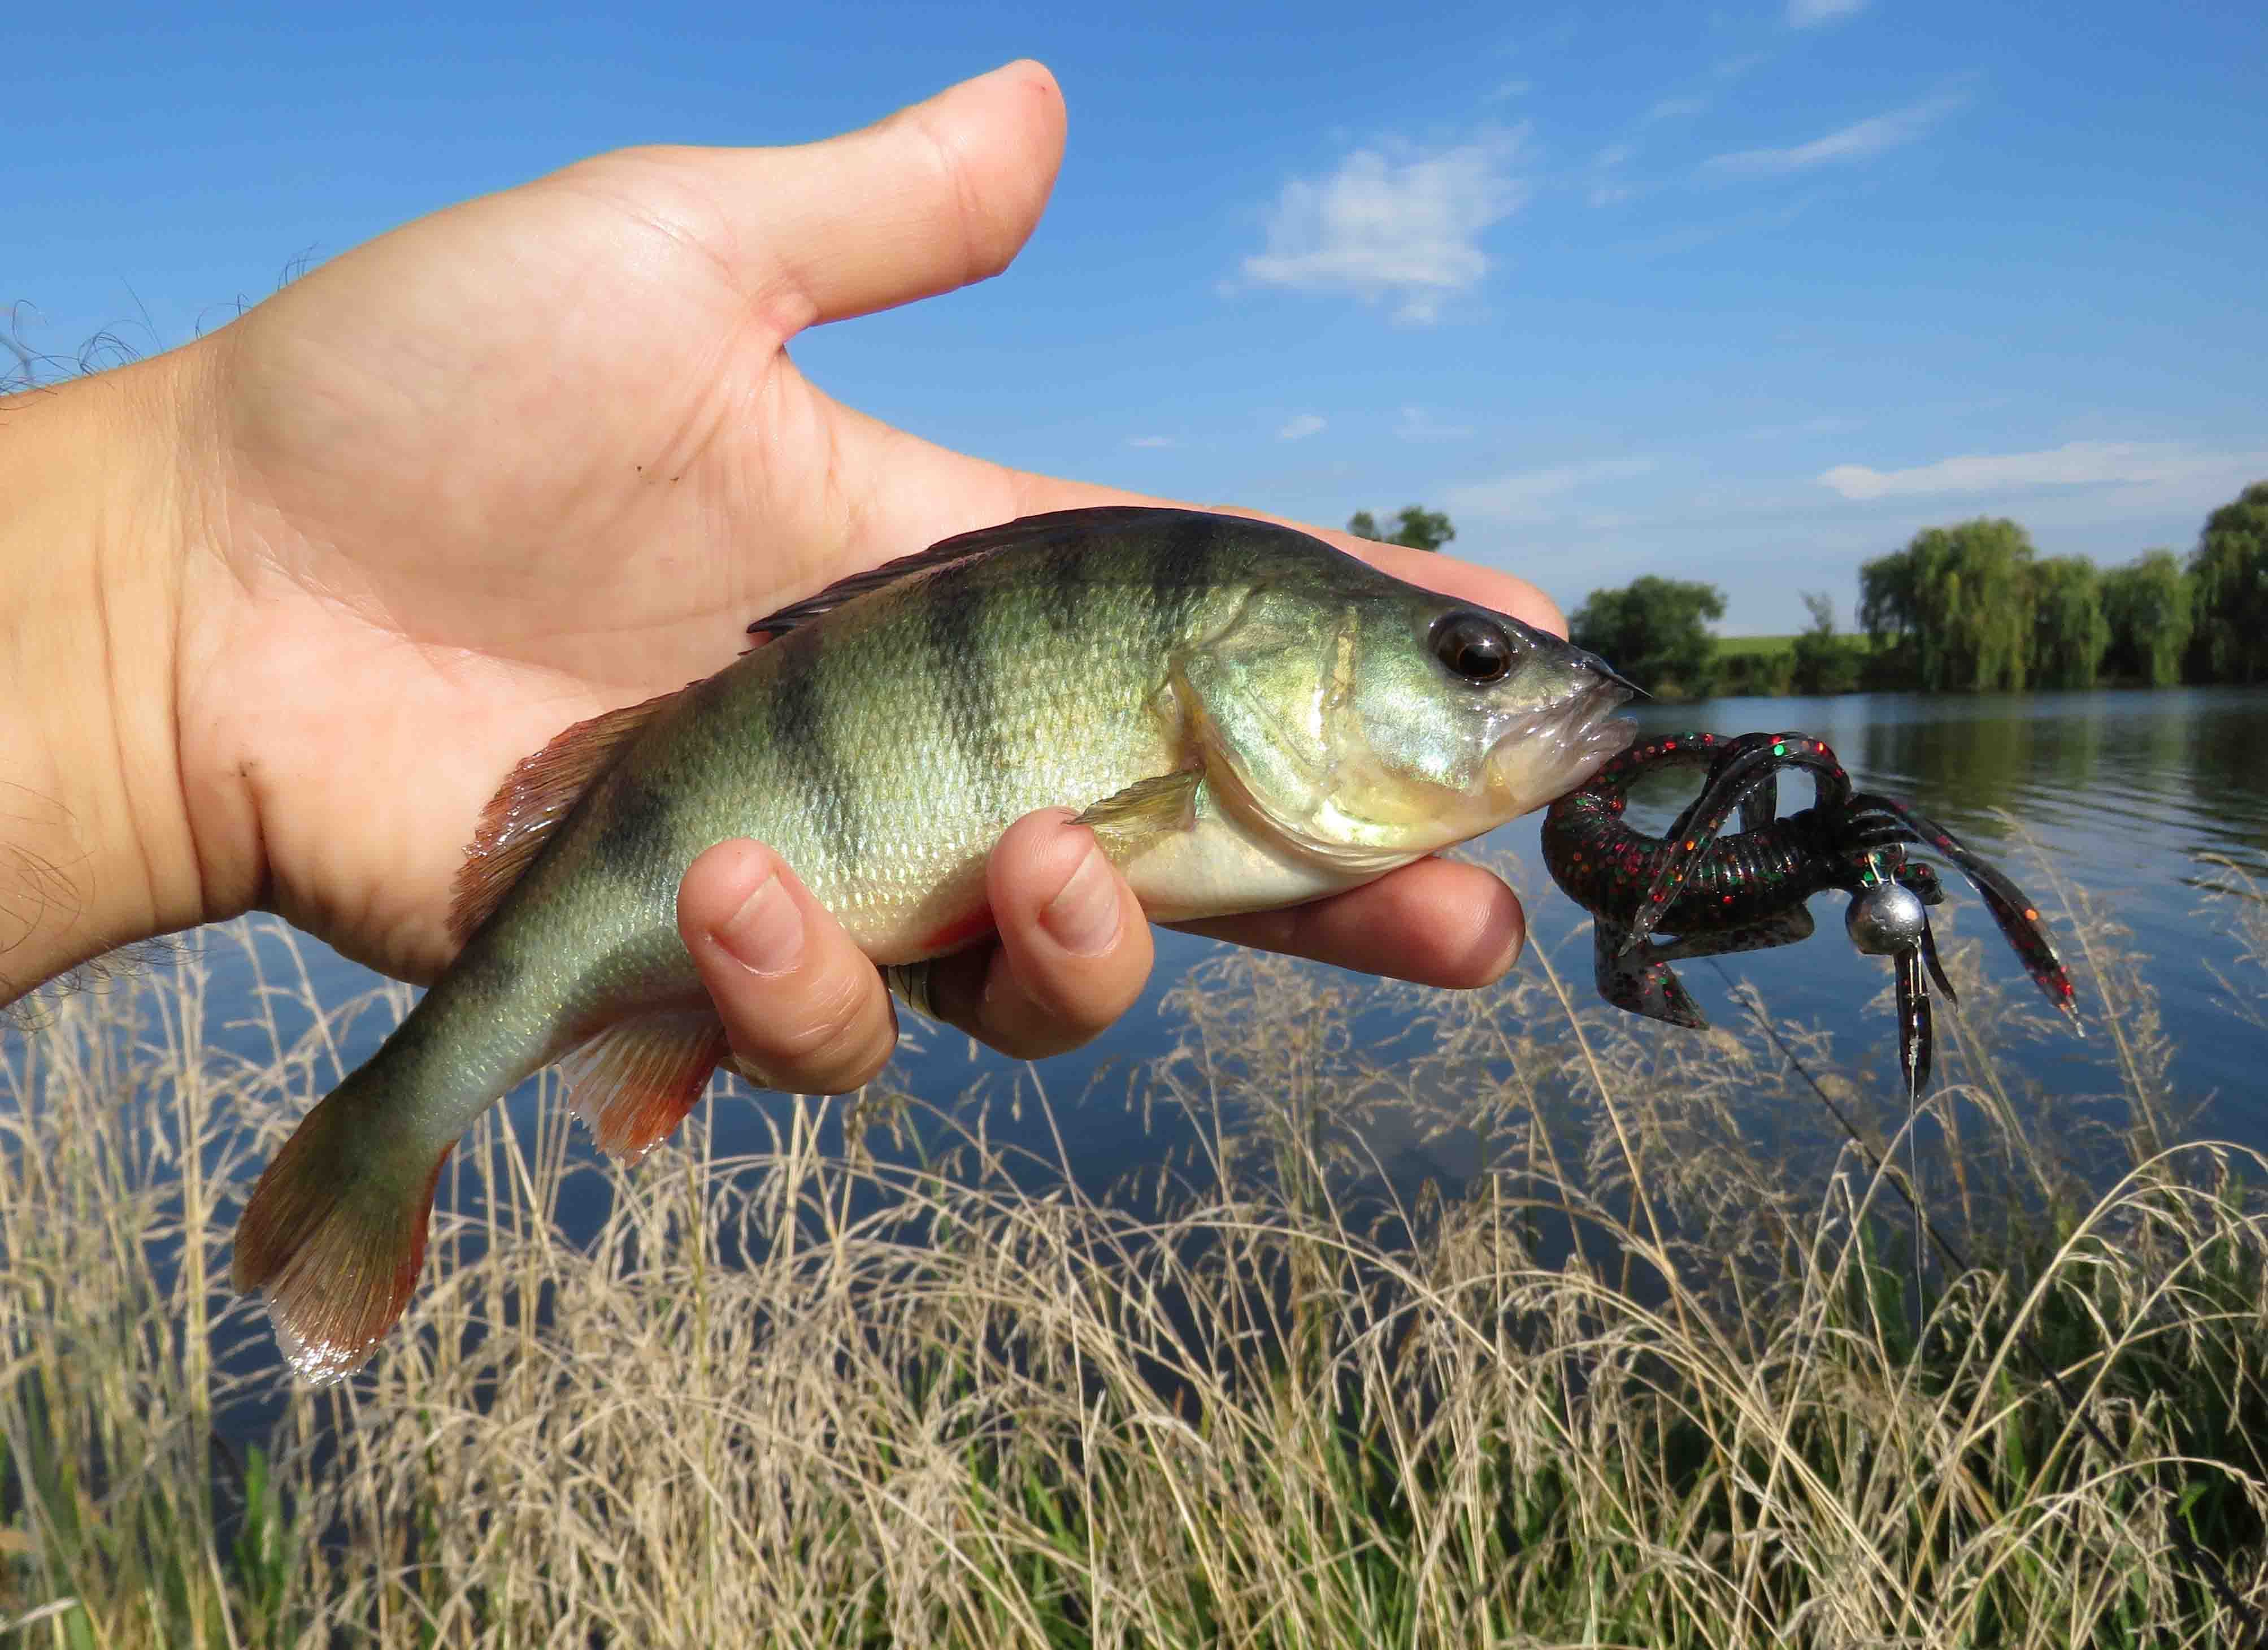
{"x": 1543, "y": 756}
{"x": 1597, "y": 728}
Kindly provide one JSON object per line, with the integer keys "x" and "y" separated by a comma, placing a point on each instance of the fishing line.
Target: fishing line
{"x": 2201, "y": 1562}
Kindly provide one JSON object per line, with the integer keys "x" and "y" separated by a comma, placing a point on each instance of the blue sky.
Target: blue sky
{"x": 1745, "y": 293}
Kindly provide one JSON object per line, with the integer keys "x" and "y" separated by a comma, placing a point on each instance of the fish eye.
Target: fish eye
{"x": 1473, "y": 647}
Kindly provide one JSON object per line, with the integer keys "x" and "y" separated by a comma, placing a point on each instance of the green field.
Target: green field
{"x": 1729, "y": 647}
{"x": 1755, "y": 646}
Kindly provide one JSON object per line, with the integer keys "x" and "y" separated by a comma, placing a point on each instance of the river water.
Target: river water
{"x": 2131, "y": 794}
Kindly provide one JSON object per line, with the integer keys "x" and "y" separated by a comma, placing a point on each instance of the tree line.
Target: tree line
{"x": 1972, "y": 608}
{"x": 1969, "y": 607}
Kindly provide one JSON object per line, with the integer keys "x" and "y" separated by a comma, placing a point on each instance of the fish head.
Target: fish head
{"x": 1371, "y": 722}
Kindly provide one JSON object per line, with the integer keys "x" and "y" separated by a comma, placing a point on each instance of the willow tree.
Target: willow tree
{"x": 1824, "y": 661}
{"x": 2069, "y": 630}
{"x": 2230, "y": 571}
{"x": 2149, "y": 607}
{"x": 1959, "y": 600}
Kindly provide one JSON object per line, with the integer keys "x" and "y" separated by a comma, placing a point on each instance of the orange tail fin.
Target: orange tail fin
{"x": 334, "y": 1236}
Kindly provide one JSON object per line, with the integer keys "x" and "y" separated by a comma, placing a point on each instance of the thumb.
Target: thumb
{"x": 941, "y": 194}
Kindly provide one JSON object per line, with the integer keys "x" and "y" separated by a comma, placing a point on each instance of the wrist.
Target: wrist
{"x": 94, "y": 510}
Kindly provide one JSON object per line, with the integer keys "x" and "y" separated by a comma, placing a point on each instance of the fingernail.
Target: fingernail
{"x": 1083, "y": 917}
{"x": 766, "y": 934}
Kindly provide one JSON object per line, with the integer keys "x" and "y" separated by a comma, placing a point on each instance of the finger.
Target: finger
{"x": 805, "y": 1010}
{"x": 937, "y": 195}
{"x": 1436, "y": 922}
{"x": 1073, "y": 952}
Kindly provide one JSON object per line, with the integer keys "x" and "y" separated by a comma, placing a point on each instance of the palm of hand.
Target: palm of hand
{"x": 534, "y": 457}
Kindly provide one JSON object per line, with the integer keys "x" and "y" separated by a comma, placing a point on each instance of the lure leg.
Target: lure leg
{"x": 1639, "y": 978}
{"x": 1744, "y": 776}
{"x": 2017, "y": 918}
{"x": 1760, "y": 803}
{"x": 1936, "y": 968}
{"x": 1913, "y": 1024}
{"x": 1633, "y": 979}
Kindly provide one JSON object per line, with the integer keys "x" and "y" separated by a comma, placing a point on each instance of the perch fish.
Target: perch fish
{"x": 1249, "y": 718}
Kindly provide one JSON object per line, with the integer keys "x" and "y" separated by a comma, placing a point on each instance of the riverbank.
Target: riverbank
{"x": 1767, "y": 667}
{"x": 1662, "y": 1374}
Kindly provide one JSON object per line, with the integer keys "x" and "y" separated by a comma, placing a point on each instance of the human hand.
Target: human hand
{"x": 542, "y": 455}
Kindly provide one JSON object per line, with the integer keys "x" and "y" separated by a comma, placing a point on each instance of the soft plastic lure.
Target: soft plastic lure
{"x": 1714, "y": 892}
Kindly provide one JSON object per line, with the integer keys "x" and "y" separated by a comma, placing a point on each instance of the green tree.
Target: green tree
{"x": 2229, "y": 572}
{"x": 2150, "y": 611}
{"x": 1958, "y": 600}
{"x": 1652, "y": 630}
{"x": 1417, "y": 527}
{"x": 2069, "y": 630}
{"x": 1824, "y": 661}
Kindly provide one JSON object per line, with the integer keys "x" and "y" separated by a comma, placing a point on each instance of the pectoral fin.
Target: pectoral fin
{"x": 1129, "y": 822}
{"x": 1126, "y": 824}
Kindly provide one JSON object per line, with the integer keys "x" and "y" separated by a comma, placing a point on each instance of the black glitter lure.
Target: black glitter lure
{"x": 1715, "y": 893}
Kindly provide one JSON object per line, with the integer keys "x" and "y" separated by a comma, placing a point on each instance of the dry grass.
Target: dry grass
{"x": 1651, "y": 1376}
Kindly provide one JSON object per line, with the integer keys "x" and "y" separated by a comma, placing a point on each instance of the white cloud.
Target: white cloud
{"x": 2074, "y": 464}
{"x": 1300, "y": 428}
{"x": 1673, "y": 108}
{"x": 1805, "y": 14}
{"x": 1506, "y": 91}
{"x": 1151, "y": 441}
{"x": 1417, "y": 424}
{"x": 1530, "y": 495}
{"x": 1860, "y": 142}
{"x": 1405, "y": 224}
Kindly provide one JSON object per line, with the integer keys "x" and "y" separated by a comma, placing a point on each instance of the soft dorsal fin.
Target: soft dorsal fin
{"x": 1024, "y": 533}
{"x": 533, "y": 798}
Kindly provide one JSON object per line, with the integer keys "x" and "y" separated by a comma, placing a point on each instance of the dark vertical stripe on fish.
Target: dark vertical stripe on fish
{"x": 962, "y": 619}
{"x": 633, "y": 828}
{"x": 1070, "y": 574}
{"x": 1179, "y": 573}
{"x": 799, "y": 737}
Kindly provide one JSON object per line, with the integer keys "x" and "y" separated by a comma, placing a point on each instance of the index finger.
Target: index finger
{"x": 1436, "y": 922}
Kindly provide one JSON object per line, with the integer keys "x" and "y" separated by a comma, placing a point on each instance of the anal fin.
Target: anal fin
{"x": 634, "y": 1081}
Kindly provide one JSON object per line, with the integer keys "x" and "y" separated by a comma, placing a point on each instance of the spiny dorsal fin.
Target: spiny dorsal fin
{"x": 777, "y": 624}
{"x": 1024, "y": 533}
{"x": 533, "y": 798}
